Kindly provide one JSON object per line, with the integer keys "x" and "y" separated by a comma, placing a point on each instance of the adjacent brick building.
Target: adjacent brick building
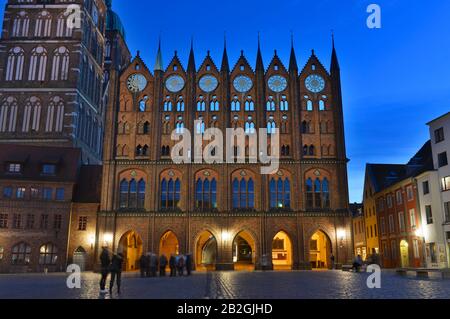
{"x": 398, "y": 211}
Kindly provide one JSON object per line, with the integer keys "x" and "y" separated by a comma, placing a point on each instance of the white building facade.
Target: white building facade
{"x": 434, "y": 196}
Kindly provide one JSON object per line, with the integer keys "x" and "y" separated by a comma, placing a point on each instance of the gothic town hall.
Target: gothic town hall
{"x": 85, "y": 139}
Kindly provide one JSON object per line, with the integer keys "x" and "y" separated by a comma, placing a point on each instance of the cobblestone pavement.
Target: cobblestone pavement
{"x": 230, "y": 285}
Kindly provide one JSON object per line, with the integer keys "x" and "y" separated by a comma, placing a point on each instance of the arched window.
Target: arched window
{"x": 305, "y": 127}
{"x": 214, "y": 105}
{"x": 43, "y": 26}
{"x": 38, "y": 64}
{"x": 305, "y": 150}
{"x": 201, "y": 127}
{"x": 284, "y": 104}
{"x": 243, "y": 193}
{"x": 206, "y": 194}
{"x": 146, "y": 128}
{"x": 312, "y": 150}
{"x": 235, "y": 105}
{"x": 8, "y": 115}
{"x": 48, "y": 255}
{"x": 250, "y": 128}
{"x": 249, "y": 105}
{"x": 60, "y": 66}
{"x": 309, "y": 106}
{"x": 201, "y": 104}
{"x": 31, "y": 114}
{"x": 180, "y": 127}
{"x": 21, "y": 254}
{"x": 322, "y": 105}
{"x": 271, "y": 127}
{"x": 142, "y": 105}
{"x": 168, "y": 105}
{"x": 21, "y": 24}
{"x": 318, "y": 193}
{"x": 61, "y": 27}
{"x": 280, "y": 193}
{"x": 170, "y": 193}
{"x": 180, "y": 104}
{"x": 14, "y": 64}
{"x": 285, "y": 150}
{"x": 165, "y": 151}
{"x": 271, "y": 105}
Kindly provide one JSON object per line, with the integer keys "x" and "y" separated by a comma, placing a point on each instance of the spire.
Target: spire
{"x": 159, "y": 62}
{"x": 259, "y": 60}
{"x": 293, "y": 59}
{"x": 334, "y": 59}
{"x": 225, "y": 65}
{"x": 191, "y": 63}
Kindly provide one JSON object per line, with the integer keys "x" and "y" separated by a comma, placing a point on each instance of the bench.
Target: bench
{"x": 423, "y": 273}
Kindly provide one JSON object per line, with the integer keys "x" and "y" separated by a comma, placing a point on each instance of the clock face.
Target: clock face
{"x": 315, "y": 83}
{"x": 175, "y": 83}
{"x": 136, "y": 83}
{"x": 242, "y": 83}
{"x": 208, "y": 83}
{"x": 277, "y": 83}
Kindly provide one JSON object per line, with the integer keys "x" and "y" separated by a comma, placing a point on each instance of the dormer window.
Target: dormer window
{"x": 137, "y": 67}
{"x": 175, "y": 67}
{"x": 48, "y": 169}
{"x": 313, "y": 67}
{"x": 276, "y": 68}
{"x": 242, "y": 67}
{"x": 208, "y": 68}
{"x": 14, "y": 168}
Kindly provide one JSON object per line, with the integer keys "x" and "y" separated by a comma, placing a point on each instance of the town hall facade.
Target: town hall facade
{"x": 229, "y": 216}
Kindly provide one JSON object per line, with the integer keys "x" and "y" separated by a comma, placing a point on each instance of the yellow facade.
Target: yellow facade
{"x": 370, "y": 219}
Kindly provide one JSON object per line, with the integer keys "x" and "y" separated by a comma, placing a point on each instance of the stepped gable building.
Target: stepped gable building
{"x": 228, "y": 216}
{"x": 52, "y": 76}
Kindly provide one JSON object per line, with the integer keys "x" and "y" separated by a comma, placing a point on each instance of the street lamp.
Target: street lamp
{"x": 108, "y": 239}
{"x": 91, "y": 240}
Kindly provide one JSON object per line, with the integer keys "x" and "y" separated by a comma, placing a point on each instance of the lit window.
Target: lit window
{"x": 20, "y": 193}
{"x": 14, "y": 168}
{"x": 47, "y": 193}
{"x": 48, "y": 169}
{"x": 48, "y": 254}
{"x": 60, "y": 194}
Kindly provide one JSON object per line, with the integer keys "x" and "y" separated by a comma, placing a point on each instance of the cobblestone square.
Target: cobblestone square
{"x": 230, "y": 285}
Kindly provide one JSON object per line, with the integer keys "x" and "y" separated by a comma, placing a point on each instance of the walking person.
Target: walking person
{"x": 188, "y": 264}
{"x": 162, "y": 265}
{"x": 180, "y": 265}
{"x": 172, "y": 266}
{"x": 147, "y": 265}
{"x": 143, "y": 265}
{"x": 116, "y": 272}
{"x": 104, "y": 261}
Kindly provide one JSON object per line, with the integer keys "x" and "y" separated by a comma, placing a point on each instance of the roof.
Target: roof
{"x": 383, "y": 176}
{"x": 439, "y": 118}
{"x": 33, "y": 157}
{"x": 113, "y": 22}
{"x": 88, "y": 188}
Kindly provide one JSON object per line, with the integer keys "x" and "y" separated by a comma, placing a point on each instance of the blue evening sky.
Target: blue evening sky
{"x": 394, "y": 79}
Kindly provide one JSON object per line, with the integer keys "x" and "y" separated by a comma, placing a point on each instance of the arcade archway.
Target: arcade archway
{"x": 169, "y": 244}
{"x": 205, "y": 252}
{"x": 282, "y": 252}
{"x": 130, "y": 245}
{"x": 320, "y": 251}
{"x": 244, "y": 250}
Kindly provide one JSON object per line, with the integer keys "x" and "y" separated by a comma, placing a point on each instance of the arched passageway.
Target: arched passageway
{"x": 205, "y": 251}
{"x": 282, "y": 252}
{"x": 320, "y": 251}
{"x": 130, "y": 245}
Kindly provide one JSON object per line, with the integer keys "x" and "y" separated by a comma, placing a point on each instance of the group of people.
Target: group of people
{"x": 111, "y": 266}
{"x": 150, "y": 264}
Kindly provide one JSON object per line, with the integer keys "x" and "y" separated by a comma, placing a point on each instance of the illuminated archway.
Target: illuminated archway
{"x": 282, "y": 252}
{"x": 244, "y": 252}
{"x": 320, "y": 251}
{"x": 130, "y": 245}
{"x": 205, "y": 251}
{"x": 169, "y": 244}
